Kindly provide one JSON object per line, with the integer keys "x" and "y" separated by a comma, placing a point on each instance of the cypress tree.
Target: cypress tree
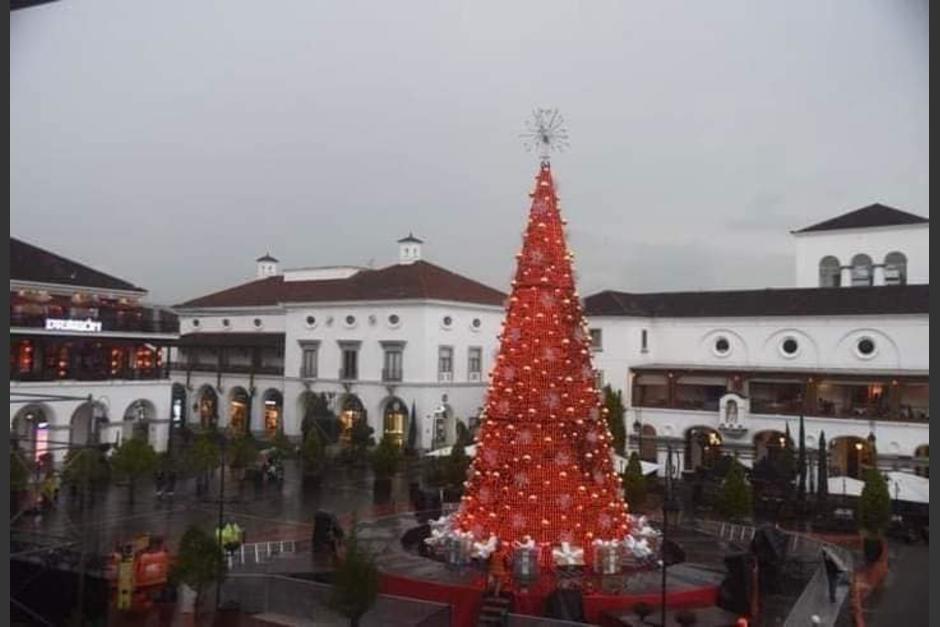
{"x": 801, "y": 464}
{"x": 735, "y": 500}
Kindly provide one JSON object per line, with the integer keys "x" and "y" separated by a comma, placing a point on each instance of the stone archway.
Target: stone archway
{"x": 770, "y": 443}
{"x": 85, "y": 425}
{"x": 137, "y": 418}
{"x": 850, "y": 456}
{"x": 30, "y": 428}
{"x": 273, "y": 403}
{"x": 395, "y": 420}
{"x": 702, "y": 447}
{"x": 239, "y": 410}
{"x": 207, "y": 407}
{"x": 351, "y": 411}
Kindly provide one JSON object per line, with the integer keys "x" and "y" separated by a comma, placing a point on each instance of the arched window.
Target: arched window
{"x": 830, "y": 274}
{"x": 895, "y": 269}
{"x": 861, "y": 270}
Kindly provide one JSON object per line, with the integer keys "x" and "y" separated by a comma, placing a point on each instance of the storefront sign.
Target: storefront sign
{"x": 83, "y": 326}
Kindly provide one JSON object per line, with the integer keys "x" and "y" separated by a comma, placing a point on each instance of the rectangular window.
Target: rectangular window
{"x": 474, "y": 363}
{"x": 644, "y": 345}
{"x": 445, "y": 363}
{"x": 391, "y": 368}
{"x": 596, "y": 343}
{"x": 599, "y": 379}
{"x": 350, "y": 368}
{"x": 308, "y": 364}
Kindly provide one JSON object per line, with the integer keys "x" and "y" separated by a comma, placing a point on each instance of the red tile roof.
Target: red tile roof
{"x": 36, "y": 265}
{"x": 419, "y": 280}
{"x": 870, "y": 216}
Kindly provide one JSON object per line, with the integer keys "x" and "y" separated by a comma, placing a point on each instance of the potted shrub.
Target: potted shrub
{"x": 634, "y": 483}
{"x": 133, "y": 460}
{"x": 385, "y": 460}
{"x": 355, "y": 582}
{"x": 199, "y": 564}
{"x": 312, "y": 458}
{"x": 874, "y": 513}
{"x": 735, "y": 499}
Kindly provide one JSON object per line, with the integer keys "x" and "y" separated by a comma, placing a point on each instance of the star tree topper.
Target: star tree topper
{"x": 546, "y": 133}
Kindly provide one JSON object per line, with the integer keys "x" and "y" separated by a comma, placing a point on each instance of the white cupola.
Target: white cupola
{"x": 267, "y": 266}
{"x": 409, "y": 249}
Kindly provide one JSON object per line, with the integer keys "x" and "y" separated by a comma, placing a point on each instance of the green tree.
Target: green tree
{"x": 614, "y": 412}
{"x": 874, "y": 505}
{"x": 85, "y": 465}
{"x": 282, "y": 444}
{"x": 735, "y": 499}
{"x": 634, "y": 483}
{"x": 412, "y": 443}
{"x": 199, "y": 561}
{"x": 385, "y": 458}
{"x": 202, "y": 458}
{"x": 458, "y": 461}
{"x": 132, "y": 460}
{"x": 242, "y": 452}
{"x": 312, "y": 454}
{"x": 356, "y": 581}
{"x": 19, "y": 472}
{"x": 361, "y": 438}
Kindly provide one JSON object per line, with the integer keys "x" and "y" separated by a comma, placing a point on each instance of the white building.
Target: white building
{"x": 88, "y": 359}
{"x": 720, "y": 371}
{"x": 374, "y": 343}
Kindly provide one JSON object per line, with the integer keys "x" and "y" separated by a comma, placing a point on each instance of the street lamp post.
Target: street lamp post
{"x": 669, "y": 505}
{"x": 218, "y": 532}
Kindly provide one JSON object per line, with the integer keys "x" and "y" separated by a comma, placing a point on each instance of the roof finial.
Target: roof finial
{"x": 545, "y": 132}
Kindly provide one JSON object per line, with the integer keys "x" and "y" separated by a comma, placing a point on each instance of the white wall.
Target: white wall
{"x": 114, "y": 396}
{"x": 912, "y": 240}
{"x": 902, "y": 343}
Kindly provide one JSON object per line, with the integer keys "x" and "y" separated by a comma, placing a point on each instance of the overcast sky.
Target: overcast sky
{"x": 172, "y": 143}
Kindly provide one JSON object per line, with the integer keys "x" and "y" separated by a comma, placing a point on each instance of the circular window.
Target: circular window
{"x": 448, "y": 321}
{"x": 258, "y": 322}
{"x": 311, "y": 321}
{"x": 789, "y": 347}
{"x": 225, "y": 322}
{"x": 350, "y": 320}
{"x": 196, "y": 322}
{"x": 476, "y": 323}
{"x": 865, "y": 348}
{"x": 722, "y": 346}
{"x": 394, "y": 320}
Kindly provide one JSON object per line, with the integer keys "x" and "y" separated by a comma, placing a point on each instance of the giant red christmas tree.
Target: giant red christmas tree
{"x": 543, "y": 466}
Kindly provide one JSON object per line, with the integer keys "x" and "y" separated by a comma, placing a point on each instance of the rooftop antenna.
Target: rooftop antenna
{"x": 545, "y": 133}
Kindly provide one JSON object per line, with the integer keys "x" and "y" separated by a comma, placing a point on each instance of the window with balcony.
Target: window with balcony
{"x": 392, "y": 361}
{"x": 350, "y": 368}
{"x": 474, "y": 363}
{"x": 309, "y": 353}
{"x": 895, "y": 269}
{"x": 445, "y": 363}
{"x": 861, "y": 270}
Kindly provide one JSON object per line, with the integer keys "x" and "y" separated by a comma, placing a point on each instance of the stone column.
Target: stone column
{"x": 846, "y": 276}
{"x": 878, "y": 274}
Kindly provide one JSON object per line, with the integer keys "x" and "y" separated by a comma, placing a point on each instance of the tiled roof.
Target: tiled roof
{"x": 31, "y": 263}
{"x": 870, "y": 216}
{"x": 835, "y": 301}
{"x": 419, "y": 280}
{"x": 266, "y": 257}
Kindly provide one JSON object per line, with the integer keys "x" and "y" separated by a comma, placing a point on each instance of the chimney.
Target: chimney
{"x": 409, "y": 249}
{"x": 267, "y": 266}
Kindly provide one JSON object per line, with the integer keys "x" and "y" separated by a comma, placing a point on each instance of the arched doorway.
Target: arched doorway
{"x": 849, "y": 456}
{"x": 395, "y": 420}
{"x": 772, "y": 444}
{"x": 85, "y": 426}
{"x": 30, "y": 429}
{"x": 137, "y": 419}
{"x": 922, "y": 456}
{"x": 702, "y": 448}
{"x": 239, "y": 407}
{"x": 351, "y": 411}
{"x": 178, "y": 404}
{"x": 208, "y": 407}
{"x": 273, "y": 409}
{"x": 648, "y": 444}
